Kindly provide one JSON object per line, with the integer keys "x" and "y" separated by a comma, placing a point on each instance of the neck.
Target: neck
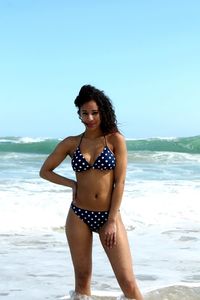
{"x": 93, "y": 134}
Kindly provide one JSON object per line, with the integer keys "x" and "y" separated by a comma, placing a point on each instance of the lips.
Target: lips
{"x": 90, "y": 124}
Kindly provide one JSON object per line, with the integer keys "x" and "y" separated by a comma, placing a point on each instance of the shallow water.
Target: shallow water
{"x": 160, "y": 209}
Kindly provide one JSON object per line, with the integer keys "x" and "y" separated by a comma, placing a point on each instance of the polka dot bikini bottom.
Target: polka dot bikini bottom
{"x": 94, "y": 219}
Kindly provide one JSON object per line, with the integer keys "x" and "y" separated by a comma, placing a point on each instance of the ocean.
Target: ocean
{"x": 160, "y": 209}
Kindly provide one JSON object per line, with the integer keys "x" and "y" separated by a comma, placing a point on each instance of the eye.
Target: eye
{"x": 96, "y": 112}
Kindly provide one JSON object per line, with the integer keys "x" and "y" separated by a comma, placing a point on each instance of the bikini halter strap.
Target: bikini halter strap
{"x": 81, "y": 139}
{"x": 83, "y": 136}
{"x": 105, "y": 140}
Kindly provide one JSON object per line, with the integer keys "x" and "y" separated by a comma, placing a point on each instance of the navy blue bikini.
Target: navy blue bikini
{"x": 105, "y": 161}
{"x": 94, "y": 219}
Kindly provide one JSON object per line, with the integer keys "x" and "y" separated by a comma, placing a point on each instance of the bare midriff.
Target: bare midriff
{"x": 94, "y": 189}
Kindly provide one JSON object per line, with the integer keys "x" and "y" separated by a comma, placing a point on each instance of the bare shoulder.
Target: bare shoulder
{"x": 68, "y": 144}
{"x": 70, "y": 140}
{"x": 116, "y": 139}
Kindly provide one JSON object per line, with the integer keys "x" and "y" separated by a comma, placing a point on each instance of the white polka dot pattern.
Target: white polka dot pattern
{"x": 94, "y": 219}
{"x": 105, "y": 161}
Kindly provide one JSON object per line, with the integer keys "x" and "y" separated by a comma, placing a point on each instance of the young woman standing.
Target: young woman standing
{"x": 99, "y": 159}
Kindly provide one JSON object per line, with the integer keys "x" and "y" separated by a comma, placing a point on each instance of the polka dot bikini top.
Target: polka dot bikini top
{"x": 105, "y": 160}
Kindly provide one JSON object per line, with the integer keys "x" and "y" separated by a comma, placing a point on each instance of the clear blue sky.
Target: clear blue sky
{"x": 144, "y": 54}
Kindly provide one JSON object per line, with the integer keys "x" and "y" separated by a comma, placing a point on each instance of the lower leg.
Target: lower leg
{"x": 82, "y": 283}
{"x": 130, "y": 289}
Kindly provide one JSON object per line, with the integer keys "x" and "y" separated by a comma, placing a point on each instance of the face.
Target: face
{"x": 90, "y": 115}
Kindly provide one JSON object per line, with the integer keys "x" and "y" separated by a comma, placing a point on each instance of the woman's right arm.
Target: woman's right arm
{"x": 53, "y": 161}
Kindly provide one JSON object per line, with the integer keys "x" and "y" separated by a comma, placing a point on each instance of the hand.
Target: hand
{"x": 110, "y": 231}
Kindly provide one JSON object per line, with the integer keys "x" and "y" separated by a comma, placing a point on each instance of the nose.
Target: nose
{"x": 90, "y": 117}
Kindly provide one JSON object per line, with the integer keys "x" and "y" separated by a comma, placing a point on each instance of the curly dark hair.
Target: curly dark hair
{"x": 107, "y": 113}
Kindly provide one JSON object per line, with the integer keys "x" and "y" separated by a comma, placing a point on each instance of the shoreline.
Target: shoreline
{"x": 41, "y": 262}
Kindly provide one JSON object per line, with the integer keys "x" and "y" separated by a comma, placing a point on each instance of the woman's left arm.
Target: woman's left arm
{"x": 119, "y": 182}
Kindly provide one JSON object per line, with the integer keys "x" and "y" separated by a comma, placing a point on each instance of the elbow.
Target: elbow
{"x": 42, "y": 173}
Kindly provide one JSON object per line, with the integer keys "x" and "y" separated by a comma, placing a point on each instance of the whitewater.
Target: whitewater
{"x": 160, "y": 209}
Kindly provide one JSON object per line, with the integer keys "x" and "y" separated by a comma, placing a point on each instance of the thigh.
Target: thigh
{"x": 120, "y": 255}
{"x": 79, "y": 239}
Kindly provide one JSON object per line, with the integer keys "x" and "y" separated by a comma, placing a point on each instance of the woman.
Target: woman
{"x": 99, "y": 159}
